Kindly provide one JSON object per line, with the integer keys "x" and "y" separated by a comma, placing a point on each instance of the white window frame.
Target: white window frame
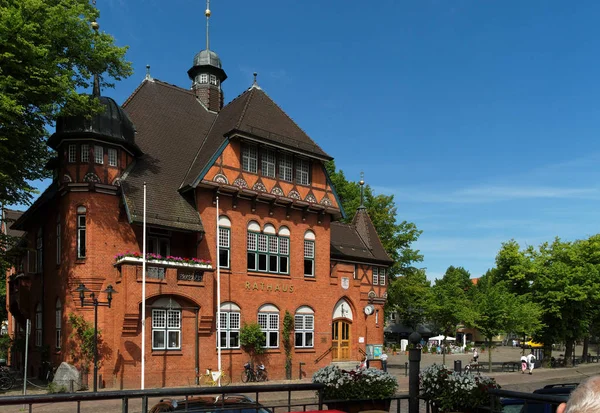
{"x": 375, "y": 276}
{"x": 38, "y": 325}
{"x": 213, "y": 80}
{"x": 309, "y": 253}
{"x": 112, "y": 157}
{"x": 166, "y": 321}
{"x": 268, "y": 320}
{"x": 382, "y": 275}
{"x": 39, "y": 248}
{"x": 250, "y": 158}
{"x": 58, "y": 324}
{"x": 270, "y": 253}
{"x": 72, "y": 153}
{"x": 230, "y": 323}
{"x": 224, "y": 242}
{"x": 286, "y": 167}
{"x": 81, "y": 232}
{"x": 203, "y": 78}
{"x": 268, "y": 162}
{"x": 304, "y": 328}
{"x": 58, "y": 241}
{"x": 98, "y": 154}
{"x": 85, "y": 153}
{"x": 302, "y": 171}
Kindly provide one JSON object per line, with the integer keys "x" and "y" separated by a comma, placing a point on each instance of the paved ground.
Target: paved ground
{"x": 508, "y": 380}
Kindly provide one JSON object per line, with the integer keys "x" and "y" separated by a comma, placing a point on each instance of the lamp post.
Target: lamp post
{"x": 89, "y": 302}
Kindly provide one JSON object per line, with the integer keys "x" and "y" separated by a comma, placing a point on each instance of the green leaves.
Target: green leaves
{"x": 47, "y": 53}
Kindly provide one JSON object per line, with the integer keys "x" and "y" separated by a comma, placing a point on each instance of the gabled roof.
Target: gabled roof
{"x": 347, "y": 243}
{"x": 255, "y": 115}
{"x": 9, "y": 217}
{"x": 368, "y": 233}
{"x": 171, "y": 127}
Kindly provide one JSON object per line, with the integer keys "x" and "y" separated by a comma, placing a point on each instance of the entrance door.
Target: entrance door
{"x": 340, "y": 340}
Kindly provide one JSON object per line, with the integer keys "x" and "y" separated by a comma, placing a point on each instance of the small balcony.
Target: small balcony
{"x": 175, "y": 272}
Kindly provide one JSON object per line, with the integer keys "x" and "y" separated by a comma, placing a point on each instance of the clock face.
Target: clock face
{"x": 369, "y": 310}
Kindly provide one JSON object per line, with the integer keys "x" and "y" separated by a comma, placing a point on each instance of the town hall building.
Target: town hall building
{"x": 243, "y": 173}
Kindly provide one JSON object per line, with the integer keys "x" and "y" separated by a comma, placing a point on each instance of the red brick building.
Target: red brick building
{"x": 281, "y": 247}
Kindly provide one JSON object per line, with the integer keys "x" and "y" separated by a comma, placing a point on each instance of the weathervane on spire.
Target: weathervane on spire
{"x": 96, "y": 87}
{"x": 362, "y": 189}
{"x": 207, "y": 14}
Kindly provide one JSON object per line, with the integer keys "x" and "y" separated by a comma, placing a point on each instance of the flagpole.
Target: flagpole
{"x": 144, "y": 293}
{"x": 218, "y": 295}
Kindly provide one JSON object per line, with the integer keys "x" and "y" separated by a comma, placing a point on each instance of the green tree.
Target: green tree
{"x": 252, "y": 340}
{"x": 397, "y": 237}
{"x": 449, "y": 303}
{"x": 408, "y": 296}
{"x": 47, "y": 52}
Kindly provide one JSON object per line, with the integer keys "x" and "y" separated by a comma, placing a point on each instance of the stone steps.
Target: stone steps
{"x": 346, "y": 365}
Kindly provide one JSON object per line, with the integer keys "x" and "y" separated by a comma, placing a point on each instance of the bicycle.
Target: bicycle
{"x": 249, "y": 374}
{"x": 214, "y": 378}
{"x": 7, "y": 379}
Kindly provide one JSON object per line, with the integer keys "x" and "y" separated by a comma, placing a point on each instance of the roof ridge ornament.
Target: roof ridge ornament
{"x": 255, "y": 83}
{"x": 148, "y": 76}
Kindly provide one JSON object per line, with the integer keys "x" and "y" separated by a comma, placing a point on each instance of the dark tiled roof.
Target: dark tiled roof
{"x": 45, "y": 197}
{"x": 347, "y": 244}
{"x": 171, "y": 126}
{"x": 11, "y": 216}
{"x": 253, "y": 113}
{"x": 368, "y": 233}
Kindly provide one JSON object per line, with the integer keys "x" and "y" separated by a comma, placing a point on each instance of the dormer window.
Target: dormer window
{"x": 203, "y": 78}
{"x": 285, "y": 167}
{"x": 267, "y": 165}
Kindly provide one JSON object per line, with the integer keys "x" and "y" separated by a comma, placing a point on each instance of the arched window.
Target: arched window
{"x": 58, "y": 324}
{"x": 268, "y": 319}
{"x": 224, "y": 241}
{"x": 166, "y": 324}
{"x": 304, "y": 327}
{"x": 230, "y": 326}
{"x": 81, "y": 231}
{"x": 267, "y": 251}
{"x": 38, "y": 325}
{"x": 309, "y": 254}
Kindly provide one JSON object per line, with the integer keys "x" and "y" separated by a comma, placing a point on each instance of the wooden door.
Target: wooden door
{"x": 340, "y": 340}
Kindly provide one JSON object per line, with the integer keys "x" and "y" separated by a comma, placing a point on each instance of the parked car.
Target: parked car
{"x": 510, "y": 405}
{"x": 234, "y": 403}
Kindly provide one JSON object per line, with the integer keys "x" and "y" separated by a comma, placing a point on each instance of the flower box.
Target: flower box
{"x": 166, "y": 263}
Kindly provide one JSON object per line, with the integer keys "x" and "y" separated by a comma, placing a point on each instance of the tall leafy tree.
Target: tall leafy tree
{"x": 449, "y": 303}
{"x": 47, "y": 52}
{"x": 409, "y": 297}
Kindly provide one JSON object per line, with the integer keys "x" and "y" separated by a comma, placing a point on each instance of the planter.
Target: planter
{"x": 355, "y": 406}
{"x": 164, "y": 263}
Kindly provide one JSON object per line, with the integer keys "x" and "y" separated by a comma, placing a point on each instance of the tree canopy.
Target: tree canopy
{"x": 48, "y": 52}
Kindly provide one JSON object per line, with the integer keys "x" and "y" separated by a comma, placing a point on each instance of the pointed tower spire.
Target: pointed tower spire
{"x": 207, "y": 14}
{"x": 362, "y": 190}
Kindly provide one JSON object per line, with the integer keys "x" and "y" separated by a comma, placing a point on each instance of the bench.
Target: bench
{"x": 510, "y": 366}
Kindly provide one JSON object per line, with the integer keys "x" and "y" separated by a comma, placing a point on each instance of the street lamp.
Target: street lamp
{"x": 93, "y": 301}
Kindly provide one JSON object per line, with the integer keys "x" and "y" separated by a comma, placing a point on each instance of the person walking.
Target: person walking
{"x": 383, "y": 359}
{"x": 530, "y": 362}
{"x": 475, "y": 355}
{"x": 523, "y": 364}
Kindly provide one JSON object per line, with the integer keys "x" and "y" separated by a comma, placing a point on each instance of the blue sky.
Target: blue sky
{"x": 481, "y": 117}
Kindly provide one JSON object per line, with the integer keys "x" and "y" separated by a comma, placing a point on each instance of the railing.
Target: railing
{"x": 322, "y": 356}
{"x": 282, "y": 398}
{"x": 500, "y": 398}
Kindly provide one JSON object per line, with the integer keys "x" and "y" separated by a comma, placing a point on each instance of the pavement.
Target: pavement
{"x": 396, "y": 366}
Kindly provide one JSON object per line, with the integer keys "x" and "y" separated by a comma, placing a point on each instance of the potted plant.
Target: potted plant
{"x": 448, "y": 391}
{"x": 356, "y": 390}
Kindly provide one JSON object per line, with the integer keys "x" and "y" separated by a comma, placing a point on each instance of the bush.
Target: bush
{"x": 364, "y": 384}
